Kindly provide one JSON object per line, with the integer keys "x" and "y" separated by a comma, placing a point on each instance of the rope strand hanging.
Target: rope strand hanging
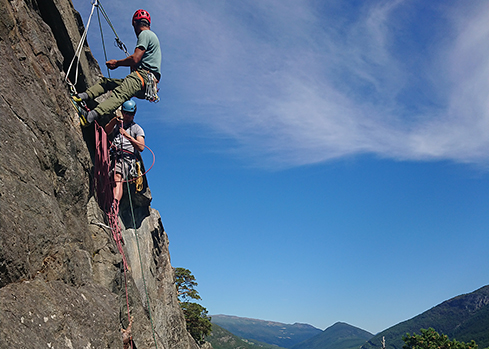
{"x": 118, "y": 41}
{"x": 106, "y": 201}
{"x": 78, "y": 52}
{"x": 102, "y": 36}
{"x": 141, "y": 265}
{"x": 100, "y": 9}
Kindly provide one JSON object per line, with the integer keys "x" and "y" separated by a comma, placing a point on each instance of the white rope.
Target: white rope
{"x": 79, "y": 49}
{"x": 101, "y": 225}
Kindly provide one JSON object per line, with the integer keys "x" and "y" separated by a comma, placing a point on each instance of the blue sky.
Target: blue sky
{"x": 319, "y": 161}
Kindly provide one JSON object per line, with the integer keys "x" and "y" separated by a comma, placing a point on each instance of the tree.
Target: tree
{"x": 198, "y": 322}
{"x": 430, "y": 339}
{"x": 185, "y": 282}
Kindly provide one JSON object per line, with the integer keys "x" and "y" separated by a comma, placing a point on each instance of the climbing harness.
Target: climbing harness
{"x": 135, "y": 173}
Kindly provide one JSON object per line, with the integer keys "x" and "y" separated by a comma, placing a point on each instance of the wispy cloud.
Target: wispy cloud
{"x": 295, "y": 84}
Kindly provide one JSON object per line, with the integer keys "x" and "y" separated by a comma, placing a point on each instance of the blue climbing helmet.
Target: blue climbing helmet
{"x": 129, "y": 106}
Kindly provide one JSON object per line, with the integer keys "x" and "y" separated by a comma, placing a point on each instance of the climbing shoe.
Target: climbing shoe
{"x": 92, "y": 115}
{"x": 80, "y": 97}
{"x": 82, "y": 111}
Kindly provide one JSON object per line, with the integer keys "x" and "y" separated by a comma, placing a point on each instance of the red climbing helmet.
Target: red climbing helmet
{"x": 141, "y": 14}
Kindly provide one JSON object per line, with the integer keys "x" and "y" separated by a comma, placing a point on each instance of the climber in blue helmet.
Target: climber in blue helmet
{"x": 128, "y": 141}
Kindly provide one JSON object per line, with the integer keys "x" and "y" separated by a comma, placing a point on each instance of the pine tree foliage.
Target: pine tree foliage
{"x": 198, "y": 322}
{"x": 430, "y": 339}
{"x": 185, "y": 282}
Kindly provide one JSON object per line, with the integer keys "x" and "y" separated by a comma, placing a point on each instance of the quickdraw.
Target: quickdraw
{"x": 136, "y": 174}
{"x": 151, "y": 91}
{"x": 139, "y": 178}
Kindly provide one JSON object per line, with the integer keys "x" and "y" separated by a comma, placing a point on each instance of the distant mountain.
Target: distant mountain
{"x": 276, "y": 333}
{"x": 463, "y": 318}
{"x": 223, "y": 339}
{"x": 338, "y": 336}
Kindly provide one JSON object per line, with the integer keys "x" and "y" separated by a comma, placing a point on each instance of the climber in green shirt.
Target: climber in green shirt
{"x": 145, "y": 60}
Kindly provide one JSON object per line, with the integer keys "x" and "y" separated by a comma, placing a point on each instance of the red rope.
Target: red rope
{"x": 105, "y": 144}
{"x": 128, "y": 152}
{"x": 103, "y": 185}
{"x": 105, "y": 197}
{"x": 101, "y": 170}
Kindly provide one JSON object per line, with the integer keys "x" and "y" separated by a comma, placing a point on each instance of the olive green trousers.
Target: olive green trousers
{"x": 122, "y": 90}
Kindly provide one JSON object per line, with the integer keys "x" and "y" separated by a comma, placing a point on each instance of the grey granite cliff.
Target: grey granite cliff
{"x": 61, "y": 280}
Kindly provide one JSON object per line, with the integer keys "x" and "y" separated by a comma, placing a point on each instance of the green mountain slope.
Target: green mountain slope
{"x": 338, "y": 336}
{"x": 275, "y": 333}
{"x": 223, "y": 339}
{"x": 463, "y": 318}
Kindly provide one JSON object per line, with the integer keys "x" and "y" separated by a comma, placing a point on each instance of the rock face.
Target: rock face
{"x": 61, "y": 277}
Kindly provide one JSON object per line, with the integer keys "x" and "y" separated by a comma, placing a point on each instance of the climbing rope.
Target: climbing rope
{"x": 127, "y": 301}
{"x": 135, "y": 179}
{"x": 118, "y": 41}
{"x": 140, "y": 175}
{"x": 78, "y": 52}
{"x": 106, "y": 201}
{"x": 137, "y": 240}
{"x": 141, "y": 265}
{"x": 104, "y": 188}
{"x": 123, "y": 272}
{"x": 102, "y": 36}
{"x": 95, "y": 5}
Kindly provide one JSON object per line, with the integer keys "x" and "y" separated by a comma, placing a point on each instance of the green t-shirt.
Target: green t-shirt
{"x": 151, "y": 60}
